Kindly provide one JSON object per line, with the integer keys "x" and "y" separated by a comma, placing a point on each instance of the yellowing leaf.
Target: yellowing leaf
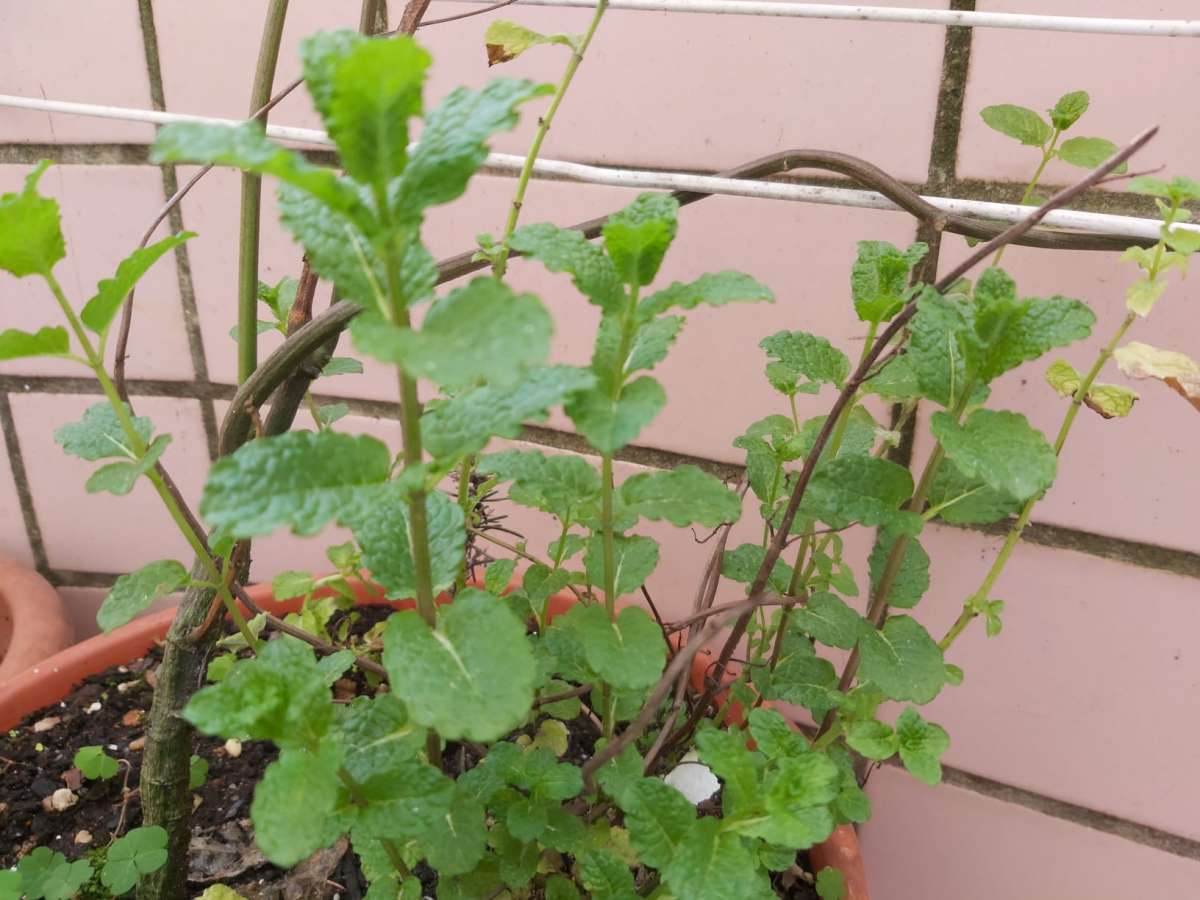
{"x": 1109, "y": 400}
{"x": 1178, "y": 371}
{"x": 506, "y": 41}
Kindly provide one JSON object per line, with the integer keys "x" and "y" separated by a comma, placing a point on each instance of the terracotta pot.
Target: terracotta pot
{"x": 33, "y": 623}
{"x": 841, "y": 849}
{"x": 51, "y": 680}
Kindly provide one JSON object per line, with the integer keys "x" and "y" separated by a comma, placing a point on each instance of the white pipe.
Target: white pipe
{"x": 1028, "y": 21}
{"x": 507, "y": 163}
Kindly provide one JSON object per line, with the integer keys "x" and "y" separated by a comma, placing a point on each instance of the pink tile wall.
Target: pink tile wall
{"x": 14, "y": 543}
{"x": 105, "y": 211}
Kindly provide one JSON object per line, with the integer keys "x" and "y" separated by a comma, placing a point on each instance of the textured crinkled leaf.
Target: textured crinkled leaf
{"x": 715, "y": 865}
{"x": 453, "y": 143}
{"x": 471, "y": 677}
{"x": 802, "y": 781}
{"x": 49, "y": 341}
{"x": 634, "y": 558}
{"x": 807, "y": 356}
{"x": 605, "y": 876}
{"x": 902, "y": 660}
{"x": 863, "y": 489}
{"x": 857, "y": 440}
{"x": 376, "y": 90}
{"x": 637, "y": 237}
{"x": 401, "y": 801}
{"x": 873, "y": 739}
{"x": 567, "y": 250}
{"x": 111, "y": 292}
{"x": 713, "y": 289}
{"x": 302, "y": 479}
{"x": 120, "y": 477}
{"x": 658, "y": 818}
{"x": 879, "y": 278}
{"x": 99, "y": 434}
{"x": 1088, "y": 152}
{"x": 921, "y": 746}
{"x": 970, "y": 500}
{"x": 683, "y": 496}
{"x": 1178, "y": 371}
{"x": 999, "y": 448}
{"x": 294, "y": 804}
{"x": 336, "y": 248}
{"x": 1110, "y": 401}
{"x": 609, "y": 426}
{"x": 320, "y": 55}
{"x": 455, "y": 842}
{"x": 481, "y": 331}
{"x": 557, "y": 484}
{"x": 738, "y": 767}
{"x": 131, "y": 594}
{"x": 1068, "y": 109}
{"x": 774, "y": 736}
{"x": 1018, "y": 122}
{"x": 802, "y": 678}
{"x": 911, "y": 580}
{"x": 895, "y": 381}
{"x": 498, "y": 575}
{"x": 742, "y": 564}
{"x": 627, "y": 653}
{"x": 933, "y": 347}
{"x": 828, "y": 619}
{"x": 652, "y": 342}
{"x": 378, "y": 736}
{"x": 464, "y": 425}
{"x": 31, "y": 239}
{"x": 138, "y": 852}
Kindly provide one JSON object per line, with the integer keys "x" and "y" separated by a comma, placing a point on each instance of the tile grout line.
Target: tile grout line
{"x": 16, "y": 462}
{"x": 183, "y": 266}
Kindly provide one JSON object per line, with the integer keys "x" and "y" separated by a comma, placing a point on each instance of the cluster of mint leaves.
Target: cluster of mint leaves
{"x": 474, "y": 671}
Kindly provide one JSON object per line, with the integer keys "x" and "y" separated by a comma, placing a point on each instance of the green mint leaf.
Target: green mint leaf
{"x": 527, "y": 818}
{"x": 634, "y": 558}
{"x": 559, "y": 887}
{"x": 247, "y": 147}
{"x": 141, "y": 851}
{"x": 1178, "y": 189}
{"x": 896, "y": 381}
{"x": 1087, "y": 153}
{"x": 1185, "y": 240}
{"x": 279, "y": 298}
{"x": 342, "y": 365}
{"x": 873, "y": 739}
{"x": 605, "y": 876}
{"x": 557, "y": 484}
{"x": 963, "y": 500}
{"x": 472, "y": 677}
{"x": 518, "y": 860}
{"x": 401, "y": 800}
{"x": 279, "y": 695}
{"x": 801, "y": 677}
{"x": 48, "y": 341}
{"x": 481, "y": 331}
{"x": 742, "y": 564}
{"x": 879, "y": 278}
{"x": 378, "y": 736}
{"x": 99, "y": 434}
{"x": 902, "y": 660}
{"x": 98, "y": 313}
{"x": 637, "y": 237}
{"x": 1141, "y": 296}
{"x": 539, "y": 583}
{"x": 999, "y": 448}
{"x": 857, "y": 440}
{"x": 802, "y": 355}
{"x": 376, "y": 90}
{"x": 608, "y": 425}
{"x": 658, "y": 818}
{"x": 331, "y": 412}
{"x": 933, "y": 350}
{"x": 862, "y": 489}
{"x": 131, "y": 594}
{"x": 652, "y": 342}
{"x": 712, "y": 289}
{"x": 738, "y": 767}
{"x": 294, "y": 804}
{"x": 828, "y": 619}
{"x": 302, "y": 479}
{"x": 260, "y": 327}
{"x": 464, "y": 425}
{"x": 802, "y": 781}
{"x": 320, "y": 55}
{"x": 567, "y": 250}
{"x": 1018, "y": 122}
{"x": 381, "y": 528}
{"x": 683, "y": 496}
{"x": 498, "y": 575}
{"x": 627, "y": 653}
{"x": 1068, "y": 109}
{"x": 715, "y": 865}
{"x": 290, "y": 584}
{"x": 921, "y": 745}
{"x": 47, "y": 874}
{"x": 505, "y": 40}
{"x": 453, "y": 144}
{"x": 94, "y": 763}
{"x": 911, "y": 581}
{"x": 831, "y": 884}
{"x": 120, "y": 477}
{"x": 31, "y": 239}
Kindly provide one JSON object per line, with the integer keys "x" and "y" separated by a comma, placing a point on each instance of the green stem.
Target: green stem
{"x": 500, "y": 265}
{"x": 466, "y": 505}
{"x": 1047, "y": 155}
{"x": 251, "y": 200}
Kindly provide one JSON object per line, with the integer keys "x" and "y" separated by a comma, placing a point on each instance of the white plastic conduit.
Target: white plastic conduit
{"x": 906, "y": 15}
{"x": 509, "y": 164}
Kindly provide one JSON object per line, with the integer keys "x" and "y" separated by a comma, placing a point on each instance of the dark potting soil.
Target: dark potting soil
{"x": 108, "y": 709}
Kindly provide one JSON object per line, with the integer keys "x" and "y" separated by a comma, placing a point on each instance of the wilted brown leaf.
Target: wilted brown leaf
{"x": 1178, "y": 371}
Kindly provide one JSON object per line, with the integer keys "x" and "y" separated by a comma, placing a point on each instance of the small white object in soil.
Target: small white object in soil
{"x": 112, "y": 746}
{"x": 45, "y": 724}
{"x": 63, "y": 799}
{"x": 83, "y": 837}
{"x": 95, "y": 707}
{"x": 126, "y": 686}
{"x": 693, "y": 779}
{"x": 233, "y": 748}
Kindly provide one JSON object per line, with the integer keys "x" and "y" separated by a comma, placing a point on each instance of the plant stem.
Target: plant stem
{"x": 500, "y": 265}
{"x": 251, "y": 201}
{"x": 1047, "y": 155}
{"x": 466, "y": 505}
